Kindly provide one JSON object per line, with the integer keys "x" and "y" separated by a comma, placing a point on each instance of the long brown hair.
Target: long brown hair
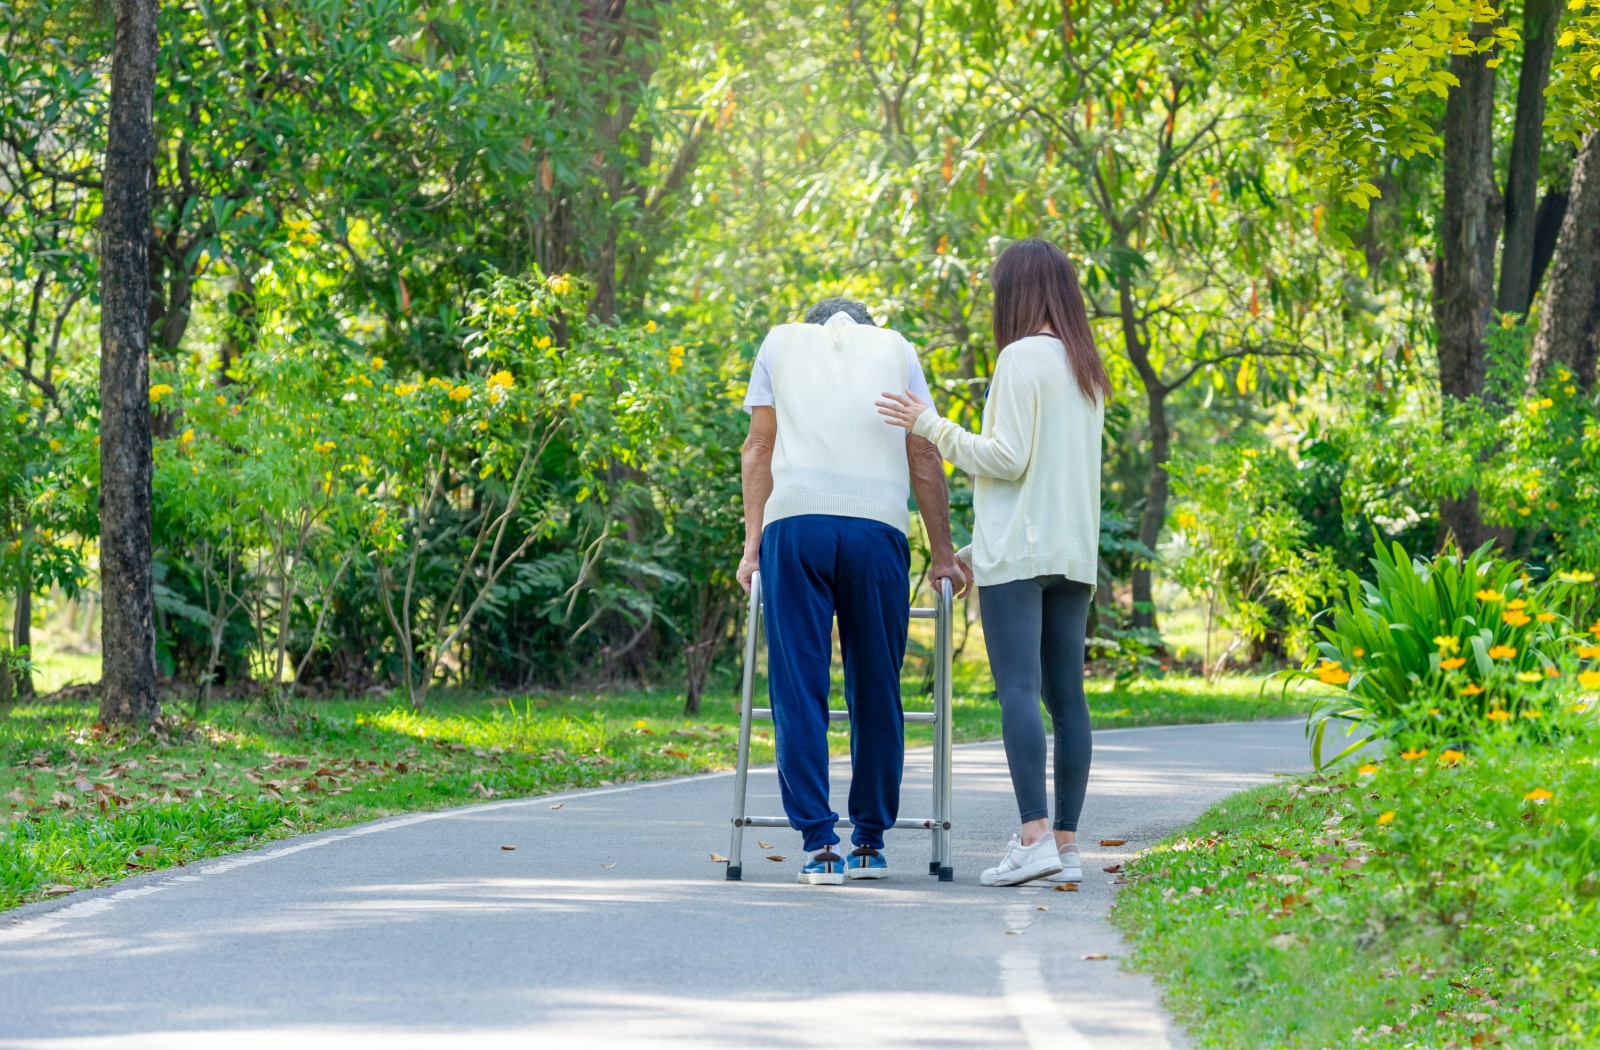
{"x": 1035, "y": 286}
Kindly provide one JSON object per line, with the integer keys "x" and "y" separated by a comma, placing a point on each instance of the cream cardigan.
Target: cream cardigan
{"x": 1036, "y": 465}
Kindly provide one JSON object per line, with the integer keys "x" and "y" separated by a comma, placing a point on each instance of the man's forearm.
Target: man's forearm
{"x": 932, "y": 494}
{"x": 756, "y": 476}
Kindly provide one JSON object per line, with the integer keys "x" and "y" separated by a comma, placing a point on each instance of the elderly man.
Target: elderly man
{"x": 826, "y": 482}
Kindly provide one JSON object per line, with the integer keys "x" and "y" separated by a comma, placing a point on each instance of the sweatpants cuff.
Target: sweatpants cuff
{"x": 821, "y": 837}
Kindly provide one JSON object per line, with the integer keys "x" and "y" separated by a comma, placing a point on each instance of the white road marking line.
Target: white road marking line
{"x": 1044, "y": 1026}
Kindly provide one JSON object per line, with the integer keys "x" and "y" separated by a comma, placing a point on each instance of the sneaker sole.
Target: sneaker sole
{"x": 1028, "y": 874}
{"x": 880, "y": 873}
{"x": 1066, "y": 876}
{"x": 821, "y": 879}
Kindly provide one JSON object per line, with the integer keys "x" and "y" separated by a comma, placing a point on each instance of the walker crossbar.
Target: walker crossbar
{"x": 939, "y": 717}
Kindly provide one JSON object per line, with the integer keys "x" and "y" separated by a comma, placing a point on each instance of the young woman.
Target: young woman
{"x": 1035, "y": 537}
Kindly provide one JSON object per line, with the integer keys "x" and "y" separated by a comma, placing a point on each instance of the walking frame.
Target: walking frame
{"x": 940, "y": 717}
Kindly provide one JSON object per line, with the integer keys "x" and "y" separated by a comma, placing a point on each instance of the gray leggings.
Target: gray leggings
{"x": 1034, "y": 632}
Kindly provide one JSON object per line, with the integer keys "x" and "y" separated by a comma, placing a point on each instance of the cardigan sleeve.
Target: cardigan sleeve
{"x": 1003, "y": 451}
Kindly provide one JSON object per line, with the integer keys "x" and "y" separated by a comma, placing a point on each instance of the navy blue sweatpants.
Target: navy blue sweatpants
{"x": 812, "y": 567}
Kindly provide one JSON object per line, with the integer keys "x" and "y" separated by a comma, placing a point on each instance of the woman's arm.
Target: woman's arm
{"x": 1002, "y": 453}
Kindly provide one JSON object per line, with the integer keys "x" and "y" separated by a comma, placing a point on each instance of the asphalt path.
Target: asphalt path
{"x": 610, "y": 925}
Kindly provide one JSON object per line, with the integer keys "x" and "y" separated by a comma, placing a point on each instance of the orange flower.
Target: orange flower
{"x": 1498, "y": 715}
{"x": 1538, "y": 795}
{"x": 1450, "y": 757}
{"x": 1515, "y": 618}
{"x": 1453, "y": 663}
{"x": 1472, "y": 689}
{"x": 1594, "y": 628}
{"x": 1367, "y": 770}
{"x": 1589, "y": 652}
{"x": 1413, "y": 754}
{"x": 1546, "y": 617}
{"x": 1487, "y": 595}
{"x": 1518, "y": 604}
{"x": 1384, "y": 818}
{"x": 1501, "y": 652}
{"x": 1332, "y": 674}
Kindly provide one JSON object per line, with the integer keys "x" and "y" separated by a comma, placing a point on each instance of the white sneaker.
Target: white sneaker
{"x": 1024, "y": 863}
{"x": 1071, "y": 866}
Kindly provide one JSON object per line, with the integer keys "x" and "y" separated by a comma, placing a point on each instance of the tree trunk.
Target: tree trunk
{"x": 22, "y": 632}
{"x": 1155, "y": 506}
{"x": 1463, "y": 275}
{"x": 1522, "y": 179}
{"x": 1569, "y": 325}
{"x": 128, "y": 678}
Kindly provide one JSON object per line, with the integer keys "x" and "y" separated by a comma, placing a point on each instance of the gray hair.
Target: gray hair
{"x": 820, "y": 313}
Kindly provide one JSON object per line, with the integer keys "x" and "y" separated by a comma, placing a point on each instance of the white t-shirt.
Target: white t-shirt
{"x": 760, "y": 391}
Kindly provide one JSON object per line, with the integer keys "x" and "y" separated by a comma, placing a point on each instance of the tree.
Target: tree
{"x": 128, "y": 678}
{"x": 1569, "y": 327}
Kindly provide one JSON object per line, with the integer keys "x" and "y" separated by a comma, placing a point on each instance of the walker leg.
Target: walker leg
{"x": 746, "y": 702}
{"x": 943, "y": 733}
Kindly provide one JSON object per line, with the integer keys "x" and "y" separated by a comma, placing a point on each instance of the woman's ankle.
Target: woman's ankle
{"x": 1034, "y": 830}
{"x": 1065, "y": 839}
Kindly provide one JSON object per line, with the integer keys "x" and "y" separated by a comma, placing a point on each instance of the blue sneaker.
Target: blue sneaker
{"x": 866, "y": 863}
{"x": 825, "y": 869}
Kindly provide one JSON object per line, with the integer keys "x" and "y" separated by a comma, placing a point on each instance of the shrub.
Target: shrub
{"x": 1437, "y": 649}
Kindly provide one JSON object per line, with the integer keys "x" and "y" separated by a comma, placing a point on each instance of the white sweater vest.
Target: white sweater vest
{"x": 834, "y": 453}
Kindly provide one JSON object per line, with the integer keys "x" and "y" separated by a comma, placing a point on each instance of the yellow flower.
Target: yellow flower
{"x": 1575, "y": 577}
{"x": 324, "y": 447}
{"x": 460, "y": 393}
{"x": 159, "y": 391}
{"x": 1530, "y": 713}
{"x": 1367, "y": 770}
{"x": 1413, "y": 754}
{"x": 650, "y": 326}
{"x": 559, "y": 283}
{"x": 221, "y": 400}
{"x": 187, "y": 437}
{"x": 1447, "y": 643}
{"x": 1589, "y": 652}
{"x": 1472, "y": 689}
{"x": 1384, "y": 818}
{"x": 1528, "y": 676}
{"x": 56, "y": 446}
{"x": 1187, "y": 520}
{"x": 1518, "y": 604}
{"x": 543, "y": 342}
{"x": 1360, "y": 652}
{"x": 574, "y": 399}
{"x": 405, "y": 388}
{"x": 1589, "y": 679}
{"x": 1538, "y": 795}
{"x": 1453, "y": 663}
{"x": 1450, "y": 756}
{"x": 1487, "y": 595}
{"x": 1545, "y": 617}
{"x": 503, "y": 379}
{"x": 1501, "y": 652}
{"x": 377, "y": 362}
{"x": 1594, "y": 628}
{"x": 1498, "y": 715}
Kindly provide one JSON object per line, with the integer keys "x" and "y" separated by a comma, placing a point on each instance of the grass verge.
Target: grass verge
{"x": 1445, "y": 900}
{"x": 82, "y": 807}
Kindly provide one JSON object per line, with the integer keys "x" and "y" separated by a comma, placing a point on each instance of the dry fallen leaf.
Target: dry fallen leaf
{"x": 1013, "y": 933}
{"x": 58, "y": 889}
{"x": 1066, "y": 887}
{"x": 764, "y": 845}
{"x": 1093, "y": 956}
{"x": 558, "y": 805}
{"x": 1043, "y": 908}
{"x": 775, "y": 856}
{"x": 1112, "y": 868}
{"x": 508, "y": 847}
{"x": 717, "y": 858}
{"x": 1113, "y": 842}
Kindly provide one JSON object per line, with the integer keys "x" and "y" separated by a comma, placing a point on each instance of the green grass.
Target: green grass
{"x": 86, "y": 807}
{"x": 1422, "y": 903}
